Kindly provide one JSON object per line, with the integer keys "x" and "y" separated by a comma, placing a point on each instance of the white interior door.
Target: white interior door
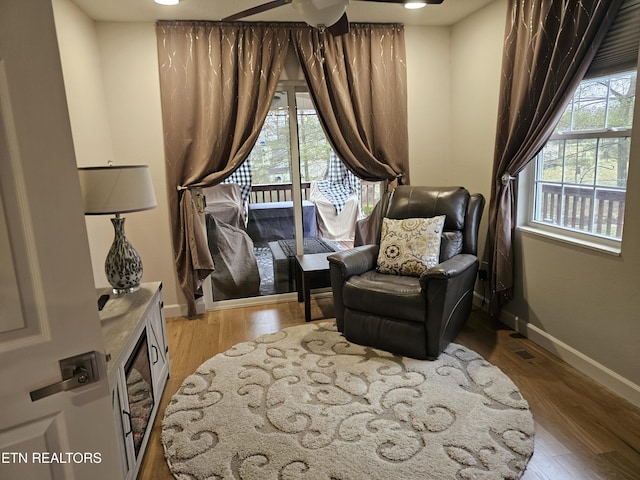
{"x": 48, "y": 307}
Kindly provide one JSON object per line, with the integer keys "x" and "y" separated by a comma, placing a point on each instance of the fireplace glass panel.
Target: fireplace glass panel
{"x": 139, "y": 391}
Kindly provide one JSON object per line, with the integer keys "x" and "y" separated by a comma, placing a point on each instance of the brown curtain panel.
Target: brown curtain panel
{"x": 217, "y": 82}
{"x": 358, "y": 82}
{"x": 549, "y": 45}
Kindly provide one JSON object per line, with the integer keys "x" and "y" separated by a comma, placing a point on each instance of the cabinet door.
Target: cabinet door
{"x": 158, "y": 351}
{"x": 122, "y": 423}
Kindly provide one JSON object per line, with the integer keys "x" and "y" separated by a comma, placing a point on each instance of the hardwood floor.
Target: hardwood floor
{"x": 583, "y": 431}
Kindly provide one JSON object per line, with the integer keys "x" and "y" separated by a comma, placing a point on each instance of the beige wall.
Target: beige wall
{"x": 83, "y": 80}
{"x": 111, "y": 81}
{"x": 453, "y": 87}
{"x": 476, "y": 61}
{"x": 428, "y": 93}
{"x": 87, "y": 111}
{"x": 581, "y": 304}
{"x": 130, "y": 74}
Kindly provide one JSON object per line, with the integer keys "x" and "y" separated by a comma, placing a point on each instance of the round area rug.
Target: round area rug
{"x": 304, "y": 403}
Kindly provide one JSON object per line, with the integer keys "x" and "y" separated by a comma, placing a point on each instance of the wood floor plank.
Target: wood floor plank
{"x": 583, "y": 431}
{"x": 623, "y": 464}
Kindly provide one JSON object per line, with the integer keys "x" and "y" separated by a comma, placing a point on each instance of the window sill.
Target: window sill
{"x": 594, "y": 246}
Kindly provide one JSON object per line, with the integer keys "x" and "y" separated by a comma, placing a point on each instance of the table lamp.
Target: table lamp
{"x": 117, "y": 190}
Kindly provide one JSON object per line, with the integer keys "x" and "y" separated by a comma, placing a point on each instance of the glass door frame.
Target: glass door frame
{"x": 292, "y": 87}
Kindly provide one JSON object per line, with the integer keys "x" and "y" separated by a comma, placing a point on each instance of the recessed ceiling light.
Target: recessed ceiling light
{"x": 414, "y": 5}
{"x": 167, "y": 2}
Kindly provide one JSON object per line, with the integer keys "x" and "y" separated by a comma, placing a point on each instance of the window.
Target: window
{"x": 271, "y": 156}
{"x": 279, "y": 142}
{"x": 580, "y": 175}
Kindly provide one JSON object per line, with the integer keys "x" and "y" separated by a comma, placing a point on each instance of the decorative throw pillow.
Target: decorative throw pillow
{"x": 410, "y": 246}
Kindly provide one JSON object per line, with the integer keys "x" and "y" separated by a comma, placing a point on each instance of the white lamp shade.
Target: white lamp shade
{"x": 116, "y": 189}
{"x": 319, "y": 13}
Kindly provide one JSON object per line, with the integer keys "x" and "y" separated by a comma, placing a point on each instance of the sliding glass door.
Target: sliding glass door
{"x": 291, "y": 195}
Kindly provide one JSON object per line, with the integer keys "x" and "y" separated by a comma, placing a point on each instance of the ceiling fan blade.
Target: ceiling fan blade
{"x": 255, "y": 10}
{"x": 340, "y": 27}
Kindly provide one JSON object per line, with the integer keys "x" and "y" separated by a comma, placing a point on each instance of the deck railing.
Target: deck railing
{"x": 599, "y": 210}
{"x": 276, "y": 192}
{"x": 370, "y": 193}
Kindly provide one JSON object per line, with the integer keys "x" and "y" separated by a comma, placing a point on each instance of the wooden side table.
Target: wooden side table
{"x": 312, "y": 269}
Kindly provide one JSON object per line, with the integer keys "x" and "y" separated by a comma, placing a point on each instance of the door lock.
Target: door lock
{"x": 76, "y": 371}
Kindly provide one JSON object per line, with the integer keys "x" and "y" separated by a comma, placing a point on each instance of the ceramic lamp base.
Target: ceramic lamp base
{"x": 123, "y": 265}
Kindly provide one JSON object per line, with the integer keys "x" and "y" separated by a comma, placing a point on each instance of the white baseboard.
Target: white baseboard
{"x": 174, "y": 310}
{"x": 181, "y": 310}
{"x": 253, "y": 301}
{"x": 593, "y": 369}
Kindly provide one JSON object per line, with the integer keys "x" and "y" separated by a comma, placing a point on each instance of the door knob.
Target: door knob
{"x": 76, "y": 371}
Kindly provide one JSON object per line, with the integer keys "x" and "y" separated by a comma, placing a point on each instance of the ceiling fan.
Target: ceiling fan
{"x": 329, "y": 14}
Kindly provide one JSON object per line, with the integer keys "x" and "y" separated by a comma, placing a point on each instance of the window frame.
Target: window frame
{"x": 529, "y": 180}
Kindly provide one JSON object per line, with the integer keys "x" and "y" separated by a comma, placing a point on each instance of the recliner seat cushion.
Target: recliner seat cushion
{"x": 386, "y": 295}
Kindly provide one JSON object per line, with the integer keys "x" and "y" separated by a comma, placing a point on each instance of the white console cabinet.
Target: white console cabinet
{"x": 134, "y": 331}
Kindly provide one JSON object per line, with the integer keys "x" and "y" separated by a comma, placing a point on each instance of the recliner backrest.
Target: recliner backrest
{"x": 474, "y": 214}
{"x": 462, "y": 212}
{"x": 423, "y": 202}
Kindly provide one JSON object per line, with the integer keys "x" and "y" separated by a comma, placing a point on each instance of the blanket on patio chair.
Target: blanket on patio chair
{"x": 332, "y": 224}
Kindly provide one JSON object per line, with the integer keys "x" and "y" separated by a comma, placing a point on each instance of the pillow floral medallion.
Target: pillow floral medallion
{"x": 410, "y": 246}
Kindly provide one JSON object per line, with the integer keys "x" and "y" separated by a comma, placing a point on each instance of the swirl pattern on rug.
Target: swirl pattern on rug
{"x": 304, "y": 403}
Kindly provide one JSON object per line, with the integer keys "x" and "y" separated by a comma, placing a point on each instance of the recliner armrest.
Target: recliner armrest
{"x": 345, "y": 264}
{"x": 355, "y": 261}
{"x": 451, "y": 268}
{"x": 448, "y": 291}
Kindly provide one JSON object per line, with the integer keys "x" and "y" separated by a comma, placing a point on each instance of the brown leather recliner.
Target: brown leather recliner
{"x": 412, "y": 316}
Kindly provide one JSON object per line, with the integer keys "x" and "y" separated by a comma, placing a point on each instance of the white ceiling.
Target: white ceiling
{"x": 448, "y": 13}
